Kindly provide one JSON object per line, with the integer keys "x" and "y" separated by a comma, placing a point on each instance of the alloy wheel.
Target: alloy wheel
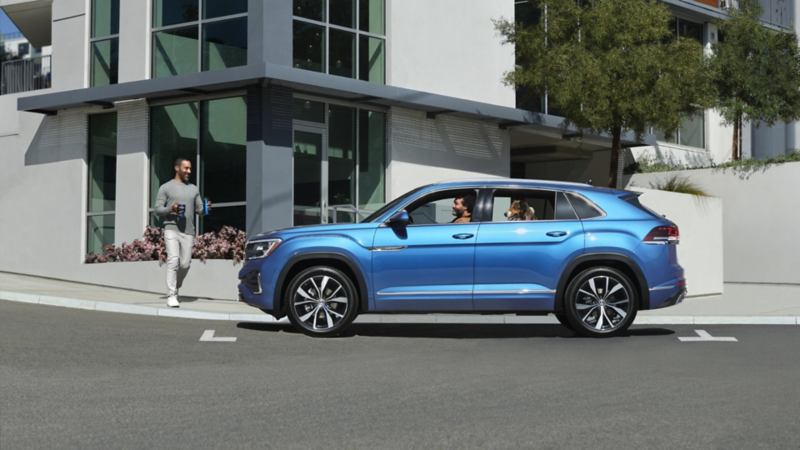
{"x": 602, "y": 303}
{"x": 320, "y": 302}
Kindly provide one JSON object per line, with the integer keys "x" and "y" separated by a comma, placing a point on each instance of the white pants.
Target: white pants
{"x": 179, "y": 257}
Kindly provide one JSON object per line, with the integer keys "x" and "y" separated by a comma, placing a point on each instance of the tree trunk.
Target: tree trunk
{"x": 612, "y": 177}
{"x": 735, "y": 151}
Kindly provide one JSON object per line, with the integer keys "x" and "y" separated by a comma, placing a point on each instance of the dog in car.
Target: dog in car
{"x": 519, "y": 210}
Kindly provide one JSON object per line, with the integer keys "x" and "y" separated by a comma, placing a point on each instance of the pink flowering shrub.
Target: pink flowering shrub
{"x": 229, "y": 243}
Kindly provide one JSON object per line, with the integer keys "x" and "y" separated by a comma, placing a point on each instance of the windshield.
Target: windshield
{"x": 393, "y": 204}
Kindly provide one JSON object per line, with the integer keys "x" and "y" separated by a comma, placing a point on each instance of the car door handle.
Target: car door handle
{"x": 557, "y": 233}
{"x": 463, "y": 236}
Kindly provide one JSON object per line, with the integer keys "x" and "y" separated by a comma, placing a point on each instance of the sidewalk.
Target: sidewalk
{"x": 740, "y": 304}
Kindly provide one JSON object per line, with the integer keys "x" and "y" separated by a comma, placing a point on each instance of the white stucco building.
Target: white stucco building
{"x": 287, "y": 108}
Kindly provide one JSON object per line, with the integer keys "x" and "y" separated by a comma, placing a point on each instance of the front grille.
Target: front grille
{"x": 252, "y": 281}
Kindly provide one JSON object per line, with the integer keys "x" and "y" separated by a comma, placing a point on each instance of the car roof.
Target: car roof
{"x": 519, "y": 182}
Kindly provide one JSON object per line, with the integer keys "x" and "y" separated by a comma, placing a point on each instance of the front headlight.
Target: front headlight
{"x": 260, "y": 248}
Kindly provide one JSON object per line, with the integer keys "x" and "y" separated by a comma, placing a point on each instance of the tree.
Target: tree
{"x": 756, "y": 72}
{"x": 610, "y": 66}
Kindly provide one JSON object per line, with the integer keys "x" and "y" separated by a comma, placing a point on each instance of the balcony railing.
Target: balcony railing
{"x": 24, "y": 75}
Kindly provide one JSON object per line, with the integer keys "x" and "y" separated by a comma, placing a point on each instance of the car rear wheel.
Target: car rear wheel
{"x": 601, "y": 302}
{"x": 321, "y": 301}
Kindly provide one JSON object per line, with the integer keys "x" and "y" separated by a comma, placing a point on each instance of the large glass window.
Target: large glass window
{"x": 348, "y": 41}
{"x": 339, "y": 159}
{"x": 213, "y": 135}
{"x": 198, "y": 34}
{"x": 371, "y": 159}
{"x": 104, "y": 43}
{"x": 102, "y": 195}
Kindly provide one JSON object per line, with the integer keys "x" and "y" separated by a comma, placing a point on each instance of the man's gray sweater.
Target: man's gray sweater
{"x": 187, "y": 194}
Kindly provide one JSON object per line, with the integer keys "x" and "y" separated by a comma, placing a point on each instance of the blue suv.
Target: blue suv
{"x": 591, "y": 256}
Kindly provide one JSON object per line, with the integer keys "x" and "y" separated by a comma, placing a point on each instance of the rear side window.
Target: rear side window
{"x": 523, "y": 204}
{"x": 634, "y": 200}
{"x": 564, "y": 210}
{"x": 585, "y": 208}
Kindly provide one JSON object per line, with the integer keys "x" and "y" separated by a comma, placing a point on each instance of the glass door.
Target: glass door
{"x": 310, "y": 176}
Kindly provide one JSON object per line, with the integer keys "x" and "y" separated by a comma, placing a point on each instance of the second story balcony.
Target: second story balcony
{"x": 24, "y": 75}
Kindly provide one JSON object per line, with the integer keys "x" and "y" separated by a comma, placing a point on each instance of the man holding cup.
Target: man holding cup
{"x": 178, "y": 200}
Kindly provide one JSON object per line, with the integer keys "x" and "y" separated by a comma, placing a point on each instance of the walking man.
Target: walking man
{"x": 178, "y": 200}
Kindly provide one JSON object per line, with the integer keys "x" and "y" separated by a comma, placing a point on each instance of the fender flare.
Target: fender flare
{"x": 644, "y": 288}
{"x": 361, "y": 285}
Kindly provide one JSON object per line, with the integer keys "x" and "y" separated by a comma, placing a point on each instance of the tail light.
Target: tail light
{"x": 663, "y": 236}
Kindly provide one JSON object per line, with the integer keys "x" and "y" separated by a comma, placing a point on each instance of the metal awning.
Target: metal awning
{"x": 306, "y": 82}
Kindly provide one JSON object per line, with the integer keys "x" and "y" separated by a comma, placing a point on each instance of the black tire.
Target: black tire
{"x": 562, "y": 319}
{"x": 321, "y": 301}
{"x": 601, "y": 302}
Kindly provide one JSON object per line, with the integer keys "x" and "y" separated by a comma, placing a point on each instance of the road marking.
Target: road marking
{"x": 208, "y": 336}
{"x": 705, "y": 337}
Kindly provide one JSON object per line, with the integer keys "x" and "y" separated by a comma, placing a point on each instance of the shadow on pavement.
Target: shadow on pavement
{"x": 454, "y": 331}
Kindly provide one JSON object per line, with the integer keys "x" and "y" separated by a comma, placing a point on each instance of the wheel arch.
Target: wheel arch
{"x": 621, "y": 262}
{"x": 305, "y": 260}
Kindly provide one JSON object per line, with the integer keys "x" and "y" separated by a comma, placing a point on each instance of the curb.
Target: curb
{"x": 500, "y": 319}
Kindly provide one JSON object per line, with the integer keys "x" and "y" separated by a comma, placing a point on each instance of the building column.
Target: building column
{"x": 269, "y": 159}
{"x": 134, "y": 53}
{"x": 132, "y": 170}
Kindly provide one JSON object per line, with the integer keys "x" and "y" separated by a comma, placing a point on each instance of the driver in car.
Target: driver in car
{"x": 463, "y": 205}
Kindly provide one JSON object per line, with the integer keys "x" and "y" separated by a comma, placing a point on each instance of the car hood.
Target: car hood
{"x": 286, "y": 233}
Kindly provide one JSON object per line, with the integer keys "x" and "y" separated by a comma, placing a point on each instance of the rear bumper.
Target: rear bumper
{"x": 667, "y": 295}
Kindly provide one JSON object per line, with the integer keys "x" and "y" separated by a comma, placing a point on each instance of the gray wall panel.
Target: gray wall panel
{"x": 269, "y": 159}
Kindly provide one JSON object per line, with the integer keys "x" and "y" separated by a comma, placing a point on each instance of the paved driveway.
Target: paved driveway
{"x": 88, "y": 379}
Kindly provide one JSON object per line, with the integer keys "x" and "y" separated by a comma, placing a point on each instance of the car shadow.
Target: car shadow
{"x": 454, "y": 331}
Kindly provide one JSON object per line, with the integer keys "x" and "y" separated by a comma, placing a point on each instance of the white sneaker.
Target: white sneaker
{"x": 172, "y": 302}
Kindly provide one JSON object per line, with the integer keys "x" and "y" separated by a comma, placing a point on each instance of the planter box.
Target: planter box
{"x": 217, "y": 278}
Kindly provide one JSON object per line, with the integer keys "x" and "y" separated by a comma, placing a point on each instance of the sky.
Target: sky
{"x": 6, "y": 25}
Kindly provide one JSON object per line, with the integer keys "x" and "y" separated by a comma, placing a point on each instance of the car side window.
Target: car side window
{"x": 510, "y": 205}
{"x": 585, "y": 208}
{"x": 451, "y": 206}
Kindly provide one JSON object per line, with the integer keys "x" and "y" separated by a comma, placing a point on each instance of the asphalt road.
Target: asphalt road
{"x": 86, "y": 379}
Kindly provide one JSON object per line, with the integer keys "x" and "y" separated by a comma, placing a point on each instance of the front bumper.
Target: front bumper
{"x": 257, "y": 285}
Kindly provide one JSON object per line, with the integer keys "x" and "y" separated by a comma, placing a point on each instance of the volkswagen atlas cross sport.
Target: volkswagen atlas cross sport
{"x": 591, "y": 256}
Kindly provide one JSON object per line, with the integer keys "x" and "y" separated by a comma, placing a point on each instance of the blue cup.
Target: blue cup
{"x": 181, "y": 210}
{"x": 205, "y": 206}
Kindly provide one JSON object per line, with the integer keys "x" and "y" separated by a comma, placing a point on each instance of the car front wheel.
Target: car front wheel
{"x": 321, "y": 301}
{"x": 601, "y": 302}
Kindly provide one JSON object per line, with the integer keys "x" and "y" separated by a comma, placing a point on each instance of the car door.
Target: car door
{"x": 427, "y": 265}
{"x": 518, "y": 260}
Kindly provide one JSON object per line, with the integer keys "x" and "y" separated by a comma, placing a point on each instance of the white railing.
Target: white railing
{"x": 334, "y": 209}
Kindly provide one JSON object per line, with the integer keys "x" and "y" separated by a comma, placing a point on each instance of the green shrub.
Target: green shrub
{"x": 679, "y": 184}
{"x": 648, "y": 164}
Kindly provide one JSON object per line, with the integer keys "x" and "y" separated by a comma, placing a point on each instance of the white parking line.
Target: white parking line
{"x": 705, "y": 337}
{"x": 208, "y": 336}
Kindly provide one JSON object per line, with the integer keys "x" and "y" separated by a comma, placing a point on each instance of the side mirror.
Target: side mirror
{"x": 400, "y": 218}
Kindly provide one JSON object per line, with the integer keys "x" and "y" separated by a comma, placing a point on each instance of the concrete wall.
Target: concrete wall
{"x": 759, "y": 217}
{"x": 70, "y": 45}
{"x": 423, "y": 151}
{"x": 700, "y": 223}
{"x": 450, "y": 47}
